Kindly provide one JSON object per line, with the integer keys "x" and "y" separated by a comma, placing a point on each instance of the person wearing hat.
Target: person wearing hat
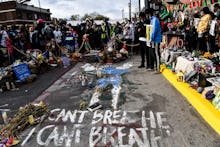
{"x": 203, "y": 29}
{"x": 70, "y": 42}
{"x": 155, "y": 39}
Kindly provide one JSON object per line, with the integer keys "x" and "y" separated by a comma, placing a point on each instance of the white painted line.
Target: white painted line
{"x": 135, "y": 111}
{"x": 27, "y": 138}
{"x": 42, "y": 97}
{"x": 5, "y": 110}
{"x": 74, "y": 73}
{"x": 5, "y": 105}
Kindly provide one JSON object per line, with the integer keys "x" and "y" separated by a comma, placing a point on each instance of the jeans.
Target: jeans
{"x": 155, "y": 56}
{"x": 143, "y": 52}
{"x": 71, "y": 48}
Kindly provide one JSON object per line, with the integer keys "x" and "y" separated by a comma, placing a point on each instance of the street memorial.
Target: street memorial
{"x": 113, "y": 128}
{"x": 101, "y": 127}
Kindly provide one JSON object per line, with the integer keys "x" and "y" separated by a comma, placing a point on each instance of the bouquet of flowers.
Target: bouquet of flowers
{"x": 170, "y": 26}
{"x": 180, "y": 25}
{"x": 175, "y": 26}
{"x": 204, "y": 68}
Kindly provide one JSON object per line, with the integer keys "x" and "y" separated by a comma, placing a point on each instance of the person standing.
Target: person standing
{"x": 127, "y": 36}
{"x": 4, "y": 36}
{"x": 202, "y": 30}
{"x": 70, "y": 42}
{"x": 155, "y": 38}
{"x": 141, "y": 28}
{"x": 97, "y": 37}
{"x": 58, "y": 36}
{"x": 104, "y": 35}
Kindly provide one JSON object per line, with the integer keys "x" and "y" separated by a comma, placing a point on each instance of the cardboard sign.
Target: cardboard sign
{"x": 22, "y": 72}
{"x": 196, "y": 22}
{"x": 212, "y": 28}
{"x": 216, "y": 101}
{"x": 149, "y": 29}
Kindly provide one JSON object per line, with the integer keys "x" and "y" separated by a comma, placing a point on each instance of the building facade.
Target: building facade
{"x": 12, "y": 12}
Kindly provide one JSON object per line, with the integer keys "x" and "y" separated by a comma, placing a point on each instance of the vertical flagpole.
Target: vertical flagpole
{"x": 40, "y": 7}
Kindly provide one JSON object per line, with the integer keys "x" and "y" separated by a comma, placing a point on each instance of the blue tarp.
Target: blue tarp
{"x": 22, "y": 72}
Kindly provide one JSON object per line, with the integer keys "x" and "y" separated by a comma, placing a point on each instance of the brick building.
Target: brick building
{"x": 12, "y": 12}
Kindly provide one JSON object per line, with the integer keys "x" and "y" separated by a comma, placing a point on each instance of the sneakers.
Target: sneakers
{"x": 156, "y": 72}
{"x": 150, "y": 69}
{"x": 141, "y": 66}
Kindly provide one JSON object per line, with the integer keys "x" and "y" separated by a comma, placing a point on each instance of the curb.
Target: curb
{"x": 209, "y": 113}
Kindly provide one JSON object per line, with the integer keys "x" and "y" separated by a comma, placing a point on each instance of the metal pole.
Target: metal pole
{"x": 129, "y": 5}
{"x": 39, "y": 7}
{"x": 122, "y": 14}
{"x": 139, "y": 4}
{"x": 146, "y": 4}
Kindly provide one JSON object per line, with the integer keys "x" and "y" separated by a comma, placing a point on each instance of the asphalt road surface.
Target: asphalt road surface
{"x": 149, "y": 113}
{"x": 27, "y": 93}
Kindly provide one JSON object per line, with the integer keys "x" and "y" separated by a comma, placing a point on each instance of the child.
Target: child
{"x": 70, "y": 42}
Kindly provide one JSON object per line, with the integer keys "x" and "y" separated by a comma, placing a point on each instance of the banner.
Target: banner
{"x": 196, "y": 22}
{"x": 212, "y": 28}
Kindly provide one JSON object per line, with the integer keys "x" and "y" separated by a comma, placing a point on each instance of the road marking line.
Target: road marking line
{"x": 42, "y": 97}
{"x": 5, "y": 105}
{"x": 5, "y": 110}
{"x": 27, "y": 138}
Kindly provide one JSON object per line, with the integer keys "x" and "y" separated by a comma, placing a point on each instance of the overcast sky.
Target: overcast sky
{"x": 65, "y": 8}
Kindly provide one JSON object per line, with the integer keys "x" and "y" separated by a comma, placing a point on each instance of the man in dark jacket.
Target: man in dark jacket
{"x": 141, "y": 30}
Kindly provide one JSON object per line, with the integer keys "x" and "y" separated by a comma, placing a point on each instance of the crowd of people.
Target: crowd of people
{"x": 199, "y": 37}
{"x": 17, "y": 39}
{"x": 20, "y": 38}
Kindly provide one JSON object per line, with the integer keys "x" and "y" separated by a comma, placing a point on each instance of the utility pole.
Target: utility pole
{"x": 139, "y": 5}
{"x": 122, "y": 11}
{"x": 146, "y": 4}
{"x": 40, "y": 7}
{"x": 129, "y": 6}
